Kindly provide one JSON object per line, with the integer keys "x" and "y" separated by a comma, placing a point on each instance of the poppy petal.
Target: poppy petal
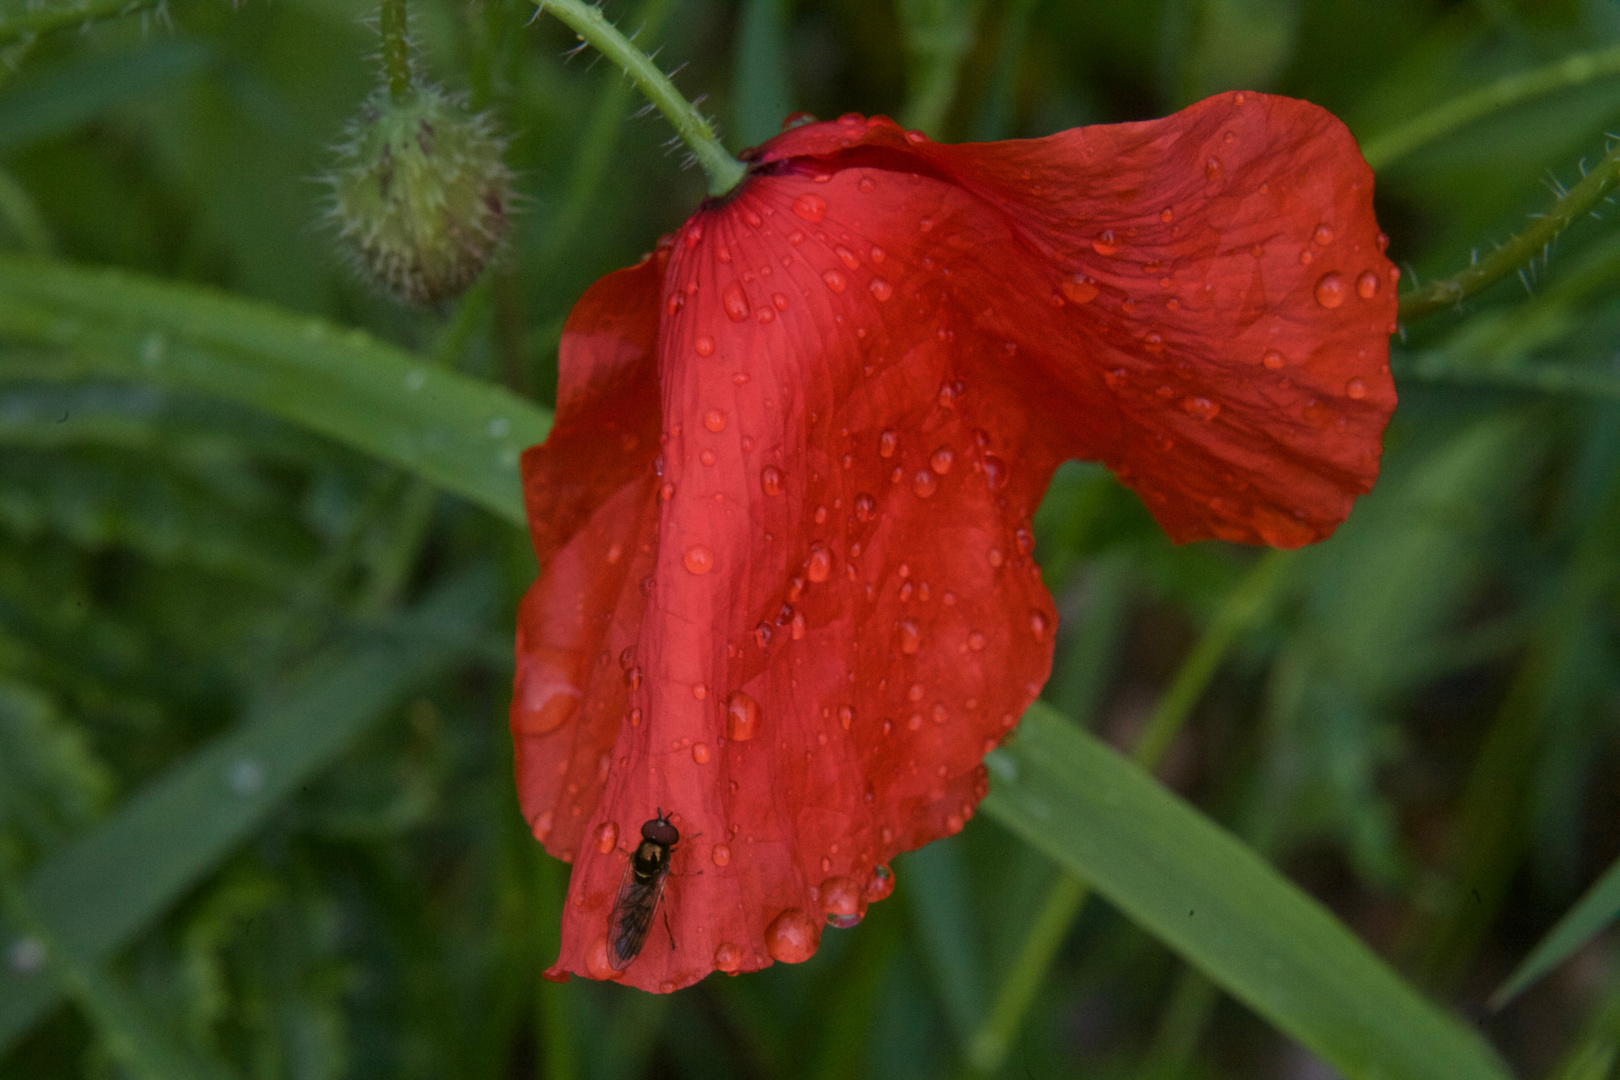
{"x": 870, "y": 358}
{"x": 589, "y": 491}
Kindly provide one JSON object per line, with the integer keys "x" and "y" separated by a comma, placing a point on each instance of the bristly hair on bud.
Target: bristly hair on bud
{"x": 420, "y": 194}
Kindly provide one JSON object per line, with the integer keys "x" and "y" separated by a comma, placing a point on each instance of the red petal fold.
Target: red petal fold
{"x": 799, "y": 628}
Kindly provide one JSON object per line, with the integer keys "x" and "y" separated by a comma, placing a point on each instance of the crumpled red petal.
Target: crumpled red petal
{"x": 823, "y": 609}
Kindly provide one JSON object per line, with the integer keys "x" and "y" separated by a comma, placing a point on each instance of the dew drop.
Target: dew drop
{"x": 736, "y": 304}
{"x": 1201, "y": 407}
{"x": 792, "y": 937}
{"x": 1212, "y": 168}
{"x": 1153, "y": 342}
{"x": 866, "y": 184}
{"x": 881, "y": 289}
{"x": 707, "y": 457}
{"x": 770, "y": 480}
{"x": 976, "y": 641}
{"x": 880, "y": 884}
{"x": 742, "y": 717}
{"x": 888, "y": 441}
{"x": 607, "y": 837}
{"x": 841, "y": 898}
{"x": 698, "y": 559}
{"x": 796, "y": 628}
{"x": 727, "y": 958}
{"x": 847, "y": 257}
{"x": 846, "y": 716}
{"x": 1037, "y": 624}
{"x": 994, "y": 557}
{"x": 1167, "y": 215}
{"x": 924, "y": 484}
{"x": 714, "y": 420}
{"x": 700, "y": 753}
{"x": 720, "y": 855}
{"x": 1078, "y": 289}
{"x": 811, "y": 208}
{"x": 834, "y": 280}
{"x": 865, "y": 507}
{"x": 1355, "y": 389}
{"x": 632, "y": 678}
{"x": 910, "y": 636}
{"x": 1323, "y": 236}
{"x": 666, "y": 491}
{"x": 1273, "y": 359}
{"x": 1105, "y": 243}
{"x": 596, "y": 961}
{"x": 941, "y": 460}
{"x": 1367, "y": 285}
{"x": 1330, "y": 291}
{"x": 995, "y": 472}
{"x": 818, "y": 567}
{"x": 704, "y": 345}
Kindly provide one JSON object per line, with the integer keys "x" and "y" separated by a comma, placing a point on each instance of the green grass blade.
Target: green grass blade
{"x": 103, "y": 890}
{"x": 1580, "y": 924}
{"x": 456, "y": 432}
{"x": 1218, "y": 904}
{"x": 762, "y": 85}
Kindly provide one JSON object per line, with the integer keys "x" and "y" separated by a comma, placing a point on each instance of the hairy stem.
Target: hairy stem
{"x": 587, "y": 20}
{"x": 396, "y": 50}
{"x": 1579, "y": 200}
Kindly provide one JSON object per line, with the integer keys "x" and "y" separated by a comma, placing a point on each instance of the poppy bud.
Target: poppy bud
{"x": 420, "y": 194}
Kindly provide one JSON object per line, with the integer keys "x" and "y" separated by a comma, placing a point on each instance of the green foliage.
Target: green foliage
{"x": 260, "y": 541}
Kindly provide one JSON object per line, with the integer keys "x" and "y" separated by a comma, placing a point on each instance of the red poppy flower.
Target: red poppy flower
{"x": 788, "y": 598}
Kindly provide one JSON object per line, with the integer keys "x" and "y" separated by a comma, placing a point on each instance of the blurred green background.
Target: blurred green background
{"x": 256, "y": 814}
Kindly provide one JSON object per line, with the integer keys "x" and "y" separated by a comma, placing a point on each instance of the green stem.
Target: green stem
{"x": 19, "y": 25}
{"x": 1242, "y": 609}
{"x": 1442, "y": 120}
{"x": 396, "y": 50}
{"x": 1579, "y": 200}
{"x": 587, "y": 20}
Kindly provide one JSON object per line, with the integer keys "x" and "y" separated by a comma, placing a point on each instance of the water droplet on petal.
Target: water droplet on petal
{"x": 976, "y": 641}
{"x": 1212, "y": 168}
{"x": 742, "y": 717}
{"x": 1355, "y": 389}
{"x": 700, "y": 753}
{"x": 841, "y": 899}
{"x": 834, "y": 280}
{"x": 1037, "y": 624}
{"x": 941, "y": 460}
{"x": 1323, "y": 236}
{"x": 866, "y": 184}
{"x": 1273, "y": 359}
{"x": 698, "y": 559}
{"x": 714, "y": 420}
{"x": 1078, "y": 289}
{"x": 994, "y": 557}
{"x": 881, "y": 289}
{"x": 924, "y": 484}
{"x": 720, "y": 854}
{"x": 704, "y": 345}
{"x": 1105, "y": 243}
{"x": 819, "y": 566}
{"x": 736, "y": 304}
{"x": 995, "y": 472}
{"x": 770, "y": 480}
{"x": 596, "y": 961}
{"x": 792, "y": 937}
{"x": 1330, "y": 291}
{"x": 1367, "y": 285}
{"x": 847, "y": 257}
{"x": 607, "y": 836}
{"x": 707, "y": 457}
{"x": 888, "y": 441}
{"x": 632, "y": 678}
{"x": 1201, "y": 407}
{"x": 880, "y": 884}
{"x": 811, "y": 208}
{"x": 846, "y": 716}
{"x": 910, "y": 636}
{"x": 1167, "y": 215}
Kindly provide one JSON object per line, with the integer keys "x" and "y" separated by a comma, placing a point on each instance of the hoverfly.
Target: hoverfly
{"x": 643, "y": 887}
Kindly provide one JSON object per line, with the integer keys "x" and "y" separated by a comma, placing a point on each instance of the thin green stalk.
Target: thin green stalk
{"x": 17, "y": 25}
{"x": 1440, "y": 295}
{"x": 396, "y": 50}
{"x": 724, "y": 171}
{"x": 1242, "y": 609}
{"x": 1442, "y": 120}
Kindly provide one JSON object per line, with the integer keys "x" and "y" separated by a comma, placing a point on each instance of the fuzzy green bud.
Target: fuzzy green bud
{"x": 420, "y": 194}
